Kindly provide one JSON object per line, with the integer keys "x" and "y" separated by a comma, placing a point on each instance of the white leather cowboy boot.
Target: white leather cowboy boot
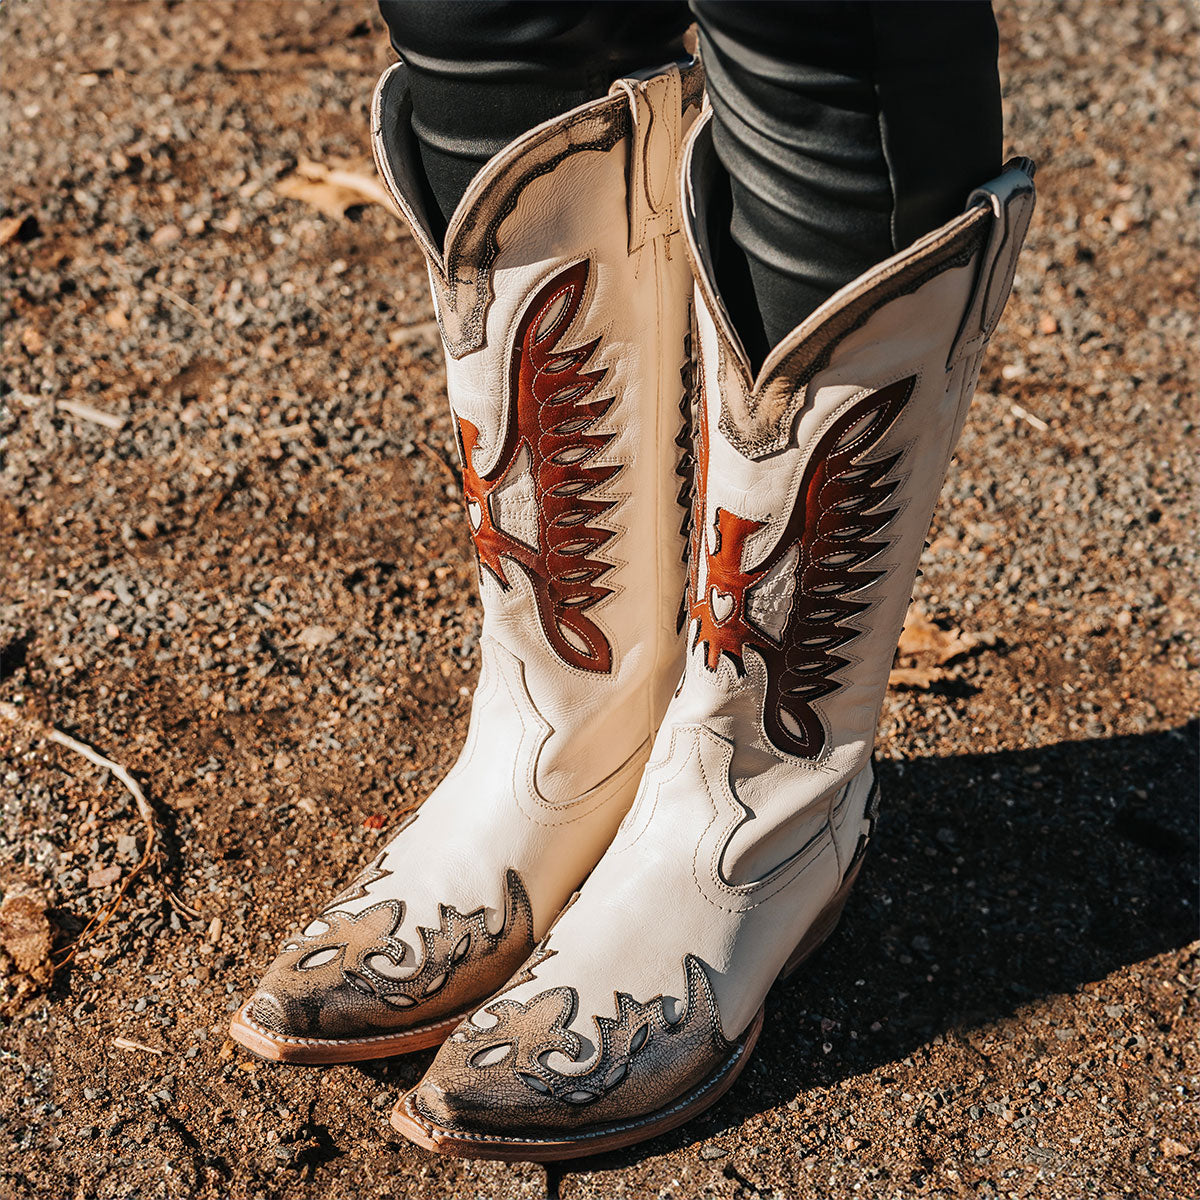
{"x": 814, "y": 488}
{"x": 562, "y": 293}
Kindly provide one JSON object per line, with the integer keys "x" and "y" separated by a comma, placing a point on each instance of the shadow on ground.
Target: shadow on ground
{"x": 995, "y": 879}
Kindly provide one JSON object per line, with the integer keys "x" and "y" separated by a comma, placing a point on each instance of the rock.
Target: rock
{"x": 316, "y": 635}
{"x": 712, "y": 1152}
{"x": 20, "y": 228}
{"x": 103, "y": 877}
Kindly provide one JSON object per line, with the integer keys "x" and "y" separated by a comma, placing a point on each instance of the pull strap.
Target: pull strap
{"x": 656, "y": 103}
{"x": 1011, "y": 199}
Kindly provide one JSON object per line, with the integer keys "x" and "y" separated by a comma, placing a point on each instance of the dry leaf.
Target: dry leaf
{"x": 916, "y": 679}
{"x": 960, "y": 644}
{"x": 920, "y": 636}
{"x": 332, "y": 190}
{"x": 25, "y": 930}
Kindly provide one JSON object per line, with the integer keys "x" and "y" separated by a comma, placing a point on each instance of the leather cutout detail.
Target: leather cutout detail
{"x": 524, "y": 1070}
{"x": 834, "y": 524}
{"x": 549, "y": 418}
{"x": 358, "y": 976}
{"x": 685, "y": 469}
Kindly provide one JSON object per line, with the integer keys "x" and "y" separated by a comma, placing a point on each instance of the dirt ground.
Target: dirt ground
{"x": 233, "y": 559}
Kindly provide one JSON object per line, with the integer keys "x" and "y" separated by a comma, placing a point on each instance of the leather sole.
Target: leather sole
{"x": 409, "y": 1121}
{"x": 276, "y": 1047}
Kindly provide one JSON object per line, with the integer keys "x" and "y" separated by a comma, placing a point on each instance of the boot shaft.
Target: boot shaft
{"x": 562, "y": 291}
{"x": 814, "y": 486}
{"x": 816, "y": 481}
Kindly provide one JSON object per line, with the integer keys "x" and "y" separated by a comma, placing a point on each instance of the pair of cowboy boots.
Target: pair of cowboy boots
{"x": 693, "y": 582}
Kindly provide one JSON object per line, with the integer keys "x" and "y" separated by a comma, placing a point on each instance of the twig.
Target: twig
{"x": 128, "y": 1044}
{"x": 166, "y": 293}
{"x": 88, "y": 413}
{"x": 317, "y": 304}
{"x": 286, "y": 432}
{"x": 429, "y": 452}
{"x": 186, "y": 909}
{"x": 11, "y": 712}
{"x": 1024, "y": 415}
{"x": 186, "y": 305}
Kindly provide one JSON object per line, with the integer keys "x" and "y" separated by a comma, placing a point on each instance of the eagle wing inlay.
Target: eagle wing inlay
{"x": 551, "y": 419}
{"x": 835, "y": 527}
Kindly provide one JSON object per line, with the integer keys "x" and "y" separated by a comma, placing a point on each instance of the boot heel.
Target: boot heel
{"x": 824, "y": 925}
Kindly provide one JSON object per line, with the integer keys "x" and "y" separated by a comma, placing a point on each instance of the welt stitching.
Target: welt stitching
{"x": 427, "y": 1124}
{"x": 402, "y": 1034}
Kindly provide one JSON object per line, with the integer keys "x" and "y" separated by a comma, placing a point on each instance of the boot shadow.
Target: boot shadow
{"x": 993, "y": 879}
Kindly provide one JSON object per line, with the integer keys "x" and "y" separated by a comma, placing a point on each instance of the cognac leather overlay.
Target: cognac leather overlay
{"x": 551, "y": 416}
{"x": 832, "y": 534}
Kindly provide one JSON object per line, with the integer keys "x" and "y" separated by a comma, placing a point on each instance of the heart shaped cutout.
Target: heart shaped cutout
{"x": 474, "y": 515}
{"x": 721, "y": 604}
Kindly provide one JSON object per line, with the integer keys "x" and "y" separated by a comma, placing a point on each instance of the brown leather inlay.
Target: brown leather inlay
{"x": 549, "y": 418}
{"x": 833, "y": 528}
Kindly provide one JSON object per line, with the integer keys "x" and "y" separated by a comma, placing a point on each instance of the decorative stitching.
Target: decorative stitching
{"x": 400, "y": 1035}
{"x": 834, "y": 518}
{"x": 735, "y": 1051}
{"x": 461, "y": 959}
{"x": 432, "y": 1129}
{"x": 785, "y": 391}
{"x": 447, "y": 280}
{"x": 750, "y": 895}
{"x": 549, "y": 418}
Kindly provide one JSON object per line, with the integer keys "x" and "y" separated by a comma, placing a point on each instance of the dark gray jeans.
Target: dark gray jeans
{"x": 846, "y": 129}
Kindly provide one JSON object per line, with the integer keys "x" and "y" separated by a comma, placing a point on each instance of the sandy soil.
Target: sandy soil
{"x": 255, "y": 593}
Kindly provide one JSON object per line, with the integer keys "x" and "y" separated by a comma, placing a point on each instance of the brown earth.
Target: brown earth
{"x": 256, "y": 595}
